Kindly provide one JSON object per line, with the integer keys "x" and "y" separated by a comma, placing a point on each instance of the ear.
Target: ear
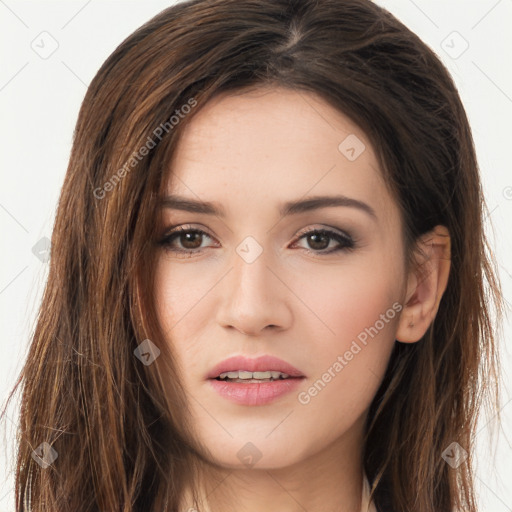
{"x": 426, "y": 284}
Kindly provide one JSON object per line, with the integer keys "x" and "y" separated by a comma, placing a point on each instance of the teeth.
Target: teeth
{"x": 242, "y": 374}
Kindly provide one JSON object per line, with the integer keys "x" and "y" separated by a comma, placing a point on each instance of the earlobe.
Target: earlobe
{"x": 425, "y": 285}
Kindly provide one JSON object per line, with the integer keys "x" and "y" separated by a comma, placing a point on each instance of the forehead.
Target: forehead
{"x": 274, "y": 145}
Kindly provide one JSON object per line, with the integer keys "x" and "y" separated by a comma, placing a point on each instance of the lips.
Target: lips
{"x": 260, "y": 364}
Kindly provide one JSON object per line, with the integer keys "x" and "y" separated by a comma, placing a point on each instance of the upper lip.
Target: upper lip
{"x": 259, "y": 364}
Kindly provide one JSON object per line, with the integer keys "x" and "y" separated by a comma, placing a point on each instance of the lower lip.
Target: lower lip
{"x": 255, "y": 393}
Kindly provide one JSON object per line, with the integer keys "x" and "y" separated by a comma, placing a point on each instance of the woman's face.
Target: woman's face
{"x": 256, "y": 284}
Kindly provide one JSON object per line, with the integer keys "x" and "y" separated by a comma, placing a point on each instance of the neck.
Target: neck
{"x": 331, "y": 479}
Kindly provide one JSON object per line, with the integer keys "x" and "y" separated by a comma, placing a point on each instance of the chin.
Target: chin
{"x": 255, "y": 454}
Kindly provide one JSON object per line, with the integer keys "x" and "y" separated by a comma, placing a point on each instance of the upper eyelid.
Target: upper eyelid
{"x": 190, "y": 227}
{"x": 337, "y": 231}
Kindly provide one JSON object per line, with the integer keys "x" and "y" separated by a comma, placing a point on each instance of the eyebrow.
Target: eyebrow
{"x": 176, "y": 202}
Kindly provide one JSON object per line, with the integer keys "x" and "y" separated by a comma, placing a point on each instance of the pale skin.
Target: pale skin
{"x": 250, "y": 153}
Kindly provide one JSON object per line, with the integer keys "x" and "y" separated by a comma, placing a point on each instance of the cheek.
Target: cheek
{"x": 178, "y": 295}
{"x": 347, "y": 299}
{"x": 348, "y": 365}
{"x": 360, "y": 305}
{"x": 352, "y": 332}
{"x": 179, "y": 289}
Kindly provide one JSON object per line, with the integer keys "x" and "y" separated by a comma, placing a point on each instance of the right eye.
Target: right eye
{"x": 190, "y": 240}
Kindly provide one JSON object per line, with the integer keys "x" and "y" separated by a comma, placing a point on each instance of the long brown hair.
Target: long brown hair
{"x": 120, "y": 430}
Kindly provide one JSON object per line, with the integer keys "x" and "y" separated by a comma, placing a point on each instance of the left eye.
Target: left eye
{"x": 317, "y": 238}
{"x": 319, "y": 241}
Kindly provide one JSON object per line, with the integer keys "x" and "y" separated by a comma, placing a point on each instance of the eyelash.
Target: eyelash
{"x": 346, "y": 241}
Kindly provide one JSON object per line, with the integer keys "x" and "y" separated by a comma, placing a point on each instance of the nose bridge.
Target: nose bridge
{"x": 250, "y": 275}
{"x": 253, "y": 297}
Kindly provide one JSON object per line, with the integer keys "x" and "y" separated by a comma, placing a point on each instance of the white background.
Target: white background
{"x": 39, "y": 102}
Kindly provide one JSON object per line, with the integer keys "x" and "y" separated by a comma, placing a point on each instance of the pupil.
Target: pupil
{"x": 188, "y": 237}
{"x": 315, "y": 238}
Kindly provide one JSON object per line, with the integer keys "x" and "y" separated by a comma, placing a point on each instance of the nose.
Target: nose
{"x": 254, "y": 297}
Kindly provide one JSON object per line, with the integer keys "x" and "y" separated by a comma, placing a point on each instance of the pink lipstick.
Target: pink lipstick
{"x": 259, "y": 381}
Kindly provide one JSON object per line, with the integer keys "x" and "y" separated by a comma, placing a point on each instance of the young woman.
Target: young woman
{"x": 269, "y": 287}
